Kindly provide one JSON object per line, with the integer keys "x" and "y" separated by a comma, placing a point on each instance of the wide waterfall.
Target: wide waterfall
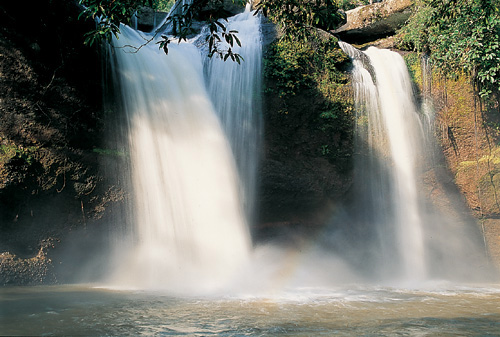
{"x": 401, "y": 233}
{"x": 193, "y": 137}
{"x": 188, "y": 228}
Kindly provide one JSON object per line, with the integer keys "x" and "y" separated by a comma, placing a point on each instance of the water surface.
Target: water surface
{"x": 443, "y": 310}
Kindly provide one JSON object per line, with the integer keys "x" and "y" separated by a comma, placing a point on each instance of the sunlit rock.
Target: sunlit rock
{"x": 371, "y": 22}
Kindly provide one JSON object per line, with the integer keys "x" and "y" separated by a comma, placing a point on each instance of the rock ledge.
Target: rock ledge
{"x": 372, "y": 22}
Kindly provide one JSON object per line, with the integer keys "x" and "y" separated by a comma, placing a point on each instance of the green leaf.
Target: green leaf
{"x": 220, "y": 25}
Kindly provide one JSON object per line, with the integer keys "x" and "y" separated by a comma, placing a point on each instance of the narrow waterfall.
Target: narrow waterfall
{"x": 188, "y": 229}
{"x": 235, "y": 90}
{"x": 390, "y": 129}
{"x": 407, "y": 238}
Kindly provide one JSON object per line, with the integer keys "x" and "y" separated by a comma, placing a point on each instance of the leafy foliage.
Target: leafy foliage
{"x": 164, "y": 5}
{"x": 7, "y": 152}
{"x": 286, "y": 64}
{"x": 299, "y": 18}
{"x": 315, "y": 71}
{"x": 109, "y": 14}
{"x": 213, "y": 13}
{"x": 460, "y": 36}
{"x": 350, "y": 4}
{"x": 297, "y": 65}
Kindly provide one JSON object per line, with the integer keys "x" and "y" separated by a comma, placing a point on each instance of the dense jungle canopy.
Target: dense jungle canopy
{"x": 460, "y": 36}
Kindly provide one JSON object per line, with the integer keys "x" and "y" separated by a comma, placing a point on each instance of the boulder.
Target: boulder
{"x": 269, "y": 32}
{"x": 233, "y": 7}
{"x": 375, "y": 21}
{"x": 148, "y": 19}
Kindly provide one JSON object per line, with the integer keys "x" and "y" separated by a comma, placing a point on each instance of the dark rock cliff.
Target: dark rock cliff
{"x": 306, "y": 167}
{"x": 51, "y": 120}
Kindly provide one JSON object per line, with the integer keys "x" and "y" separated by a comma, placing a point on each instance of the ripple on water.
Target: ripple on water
{"x": 353, "y": 310}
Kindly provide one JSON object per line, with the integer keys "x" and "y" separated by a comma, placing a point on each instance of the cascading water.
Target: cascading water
{"x": 189, "y": 230}
{"x": 401, "y": 127}
{"x": 191, "y": 205}
{"x": 235, "y": 91}
{"x": 405, "y": 237}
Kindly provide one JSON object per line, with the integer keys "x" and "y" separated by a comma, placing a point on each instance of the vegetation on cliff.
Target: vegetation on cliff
{"x": 468, "y": 129}
{"x": 309, "y": 135}
{"x": 297, "y": 19}
{"x": 317, "y": 70}
{"x": 459, "y": 36}
{"x": 51, "y": 119}
{"x": 462, "y": 40}
{"x": 307, "y": 63}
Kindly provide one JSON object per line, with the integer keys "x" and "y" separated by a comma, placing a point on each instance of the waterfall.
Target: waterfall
{"x": 427, "y": 106}
{"x": 235, "y": 90}
{"x": 188, "y": 231}
{"x": 391, "y": 130}
{"x": 406, "y": 237}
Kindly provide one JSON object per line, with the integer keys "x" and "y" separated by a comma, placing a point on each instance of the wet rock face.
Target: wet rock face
{"x": 15, "y": 270}
{"x": 148, "y": 19}
{"x": 51, "y": 123}
{"x": 304, "y": 189}
{"x": 375, "y": 21}
{"x": 298, "y": 182}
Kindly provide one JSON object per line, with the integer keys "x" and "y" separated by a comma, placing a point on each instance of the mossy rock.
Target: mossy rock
{"x": 483, "y": 176}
